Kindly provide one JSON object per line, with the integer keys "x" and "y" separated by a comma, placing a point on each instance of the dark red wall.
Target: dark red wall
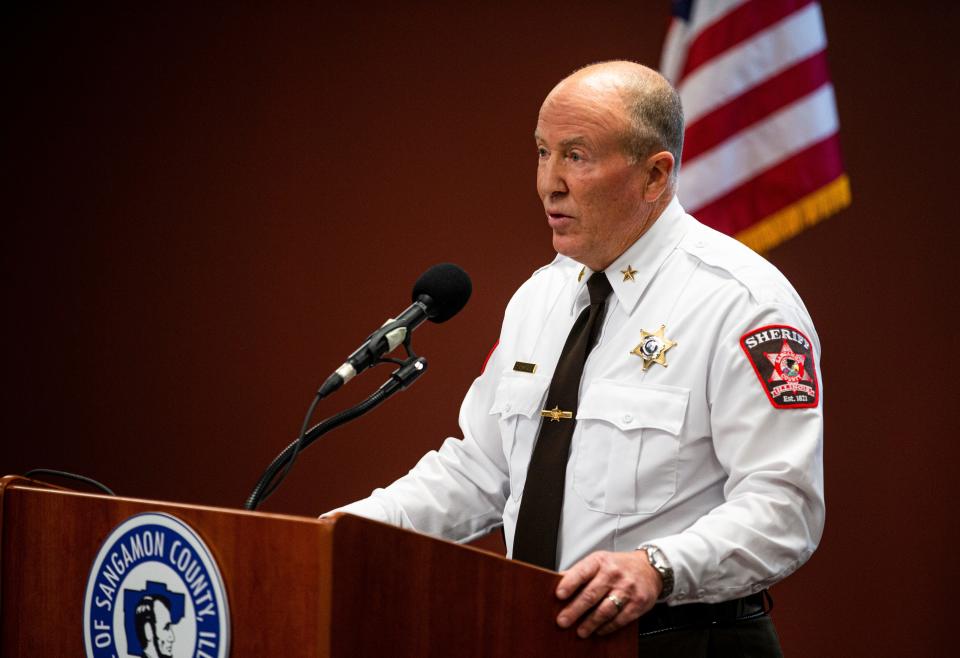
{"x": 206, "y": 211}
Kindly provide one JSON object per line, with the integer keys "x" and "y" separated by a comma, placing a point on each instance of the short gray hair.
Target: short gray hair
{"x": 656, "y": 118}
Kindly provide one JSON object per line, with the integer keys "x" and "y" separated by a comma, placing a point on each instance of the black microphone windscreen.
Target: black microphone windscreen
{"x": 448, "y": 286}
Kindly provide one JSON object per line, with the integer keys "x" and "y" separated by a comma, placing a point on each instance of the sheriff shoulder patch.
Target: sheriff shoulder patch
{"x": 784, "y": 362}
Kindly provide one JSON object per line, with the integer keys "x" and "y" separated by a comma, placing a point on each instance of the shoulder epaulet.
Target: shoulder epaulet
{"x": 761, "y": 278}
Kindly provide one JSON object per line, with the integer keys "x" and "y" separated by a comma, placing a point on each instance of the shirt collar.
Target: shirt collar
{"x": 642, "y": 259}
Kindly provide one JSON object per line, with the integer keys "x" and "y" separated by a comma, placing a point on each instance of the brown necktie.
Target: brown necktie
{"x": 538, "y": 523}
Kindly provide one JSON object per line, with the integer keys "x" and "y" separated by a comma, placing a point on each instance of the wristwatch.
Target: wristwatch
{"x": 659, "y": 562}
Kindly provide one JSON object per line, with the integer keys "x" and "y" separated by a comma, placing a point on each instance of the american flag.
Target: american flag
{"x": 761, "y": 157}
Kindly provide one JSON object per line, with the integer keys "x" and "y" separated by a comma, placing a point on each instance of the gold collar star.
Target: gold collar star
{"x": 653, "y": 347}
{"x": 628, "y": 273}
{"x": 580, "y": 276}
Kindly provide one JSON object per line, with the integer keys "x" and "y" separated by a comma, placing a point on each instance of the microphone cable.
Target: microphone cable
{"x": 70, "y": 476}
{"x": 408, "y": 372}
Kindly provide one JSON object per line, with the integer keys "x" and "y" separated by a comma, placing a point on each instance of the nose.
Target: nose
{"x": 550, "y": 180}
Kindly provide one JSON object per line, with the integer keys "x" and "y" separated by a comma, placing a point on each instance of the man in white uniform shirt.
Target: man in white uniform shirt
{"x": 694, "y": 473}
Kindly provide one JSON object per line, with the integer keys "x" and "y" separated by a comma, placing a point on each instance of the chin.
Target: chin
{"x": 565, "y": 246}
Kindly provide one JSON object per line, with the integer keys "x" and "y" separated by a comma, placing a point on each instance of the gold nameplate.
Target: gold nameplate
{"x": 520, "y": 366}
{"x": 555, "y": 414}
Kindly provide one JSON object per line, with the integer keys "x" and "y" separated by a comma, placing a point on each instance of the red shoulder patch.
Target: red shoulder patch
{"x": 784, "y": 362}
{"x": 487, "y": 360}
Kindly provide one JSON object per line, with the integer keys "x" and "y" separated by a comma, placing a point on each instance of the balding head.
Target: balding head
{"x": 608, "y": 137}
{"x": 651, "y": 106}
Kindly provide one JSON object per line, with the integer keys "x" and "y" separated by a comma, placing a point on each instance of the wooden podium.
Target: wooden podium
{"x": 296, "y": 586}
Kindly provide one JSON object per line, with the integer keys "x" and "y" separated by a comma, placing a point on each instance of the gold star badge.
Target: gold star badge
{"x": 628, "y": 273}
{"x": 653, "y": 347}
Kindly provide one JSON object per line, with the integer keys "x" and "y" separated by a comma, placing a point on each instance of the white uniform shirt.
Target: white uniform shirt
{"x": 693, "y": 457}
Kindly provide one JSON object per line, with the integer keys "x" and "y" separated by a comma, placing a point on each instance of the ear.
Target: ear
{"x": 659, "y": 167}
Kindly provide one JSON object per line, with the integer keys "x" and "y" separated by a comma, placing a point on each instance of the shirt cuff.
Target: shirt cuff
{"x": 368, "y": 508}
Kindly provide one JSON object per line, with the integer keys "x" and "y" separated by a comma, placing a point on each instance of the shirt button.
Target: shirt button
{"x": 506, "y": 407}
{"x": 627, "y": 418}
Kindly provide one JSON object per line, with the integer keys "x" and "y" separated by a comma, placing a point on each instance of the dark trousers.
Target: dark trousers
{"x": 750, "y": 638}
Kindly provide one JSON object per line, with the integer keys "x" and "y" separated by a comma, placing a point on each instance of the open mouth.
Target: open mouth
{"x": 558, "y": 220}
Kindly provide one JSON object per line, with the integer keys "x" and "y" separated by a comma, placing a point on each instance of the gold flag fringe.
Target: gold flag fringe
{"x": 811, "y": 209}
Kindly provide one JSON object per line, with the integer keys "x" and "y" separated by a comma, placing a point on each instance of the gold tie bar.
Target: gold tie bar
{"x": 555, "y": 414}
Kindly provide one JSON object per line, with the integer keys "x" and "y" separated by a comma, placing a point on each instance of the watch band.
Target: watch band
{"x": 660, "y": 563}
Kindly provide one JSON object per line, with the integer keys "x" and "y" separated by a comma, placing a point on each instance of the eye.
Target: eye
{"x": 541, "y": 152}
{"x": 575, "y": 156}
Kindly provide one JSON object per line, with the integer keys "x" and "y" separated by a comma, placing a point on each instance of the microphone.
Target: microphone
{"x": 439, "y": 294}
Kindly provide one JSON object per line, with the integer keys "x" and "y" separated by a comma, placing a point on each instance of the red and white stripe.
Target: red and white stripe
{"x": 761, "y": 116}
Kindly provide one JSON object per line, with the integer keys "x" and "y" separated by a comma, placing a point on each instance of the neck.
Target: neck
{"x": 656, "y": 209}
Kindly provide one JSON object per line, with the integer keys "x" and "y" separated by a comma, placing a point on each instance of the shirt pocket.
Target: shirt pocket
{"x": 626, "y": 459}
{"x": 517, "y": 402}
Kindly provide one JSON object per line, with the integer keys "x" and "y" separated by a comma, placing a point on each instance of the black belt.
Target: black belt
{"x": 662, "y": 617}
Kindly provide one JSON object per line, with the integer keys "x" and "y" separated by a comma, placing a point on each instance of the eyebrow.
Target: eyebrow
{"x": 576, "y": 140}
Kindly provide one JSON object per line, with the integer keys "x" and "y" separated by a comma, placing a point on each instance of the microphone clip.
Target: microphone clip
{"x": 395, "y": 333}
{"x": 384, "y": 340}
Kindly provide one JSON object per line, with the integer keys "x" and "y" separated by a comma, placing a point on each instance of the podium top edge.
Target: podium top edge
{"x": 20, "y": 483}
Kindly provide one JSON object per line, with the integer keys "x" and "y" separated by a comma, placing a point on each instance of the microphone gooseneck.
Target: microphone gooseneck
{"x": 400, "y": 379}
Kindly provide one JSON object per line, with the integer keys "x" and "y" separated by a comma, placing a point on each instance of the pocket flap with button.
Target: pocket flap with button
{"x": 635, "y": 406}
{"x": 519, "y": 393}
